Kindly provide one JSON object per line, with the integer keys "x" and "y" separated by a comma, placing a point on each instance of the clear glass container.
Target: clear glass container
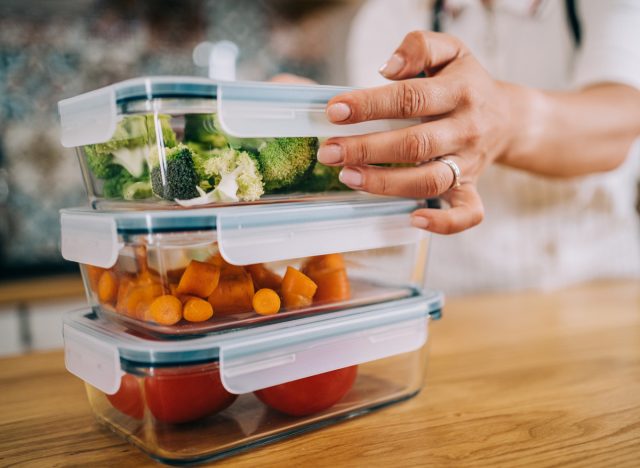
{"x": 209, "y": 270}
{"x": 171, "y": 142}
{"x": 201, "y": 399}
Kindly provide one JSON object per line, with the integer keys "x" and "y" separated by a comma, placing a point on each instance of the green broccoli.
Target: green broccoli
{"x": 174, "y": 177}
{"x": 284, "y": 162}
{"x": 128, "y": 147}
{"x": 202, "y": 131}
{"x": 234, "y": 174}
{"x": 123, "y": 185}
{"x": 323, "y": 179}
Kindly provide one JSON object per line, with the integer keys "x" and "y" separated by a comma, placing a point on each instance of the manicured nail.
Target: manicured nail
{"x": 330, "y": 154}
{"x": 338, "y": 112}
{"x": 393, "y": 66}
{"x": 351, "y": 177}
{"x": 419, "y": 222}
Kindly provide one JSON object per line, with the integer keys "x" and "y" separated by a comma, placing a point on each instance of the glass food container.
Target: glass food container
{"x": 173, "y": 273}
{"x": 198, "y": 399}
{"x": 163, "y": 142}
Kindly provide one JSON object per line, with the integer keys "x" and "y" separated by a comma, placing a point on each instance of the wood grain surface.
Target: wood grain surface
{"x": 528, "y": 379}
{"x": 38, "y": 289}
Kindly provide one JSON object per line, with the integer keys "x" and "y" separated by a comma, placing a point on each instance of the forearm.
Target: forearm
{"x": 566, "y": 134}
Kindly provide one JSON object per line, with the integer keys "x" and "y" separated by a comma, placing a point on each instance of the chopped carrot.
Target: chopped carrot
{"x": 139, "y": 299}
{"x": 266, "y": 302}
{"x": 199, "y": 279}
{"x": 166, "y": 310}
{"x": 297, "y": 289}
{"x": 234, "y": 293}
{"x": 93, "y": 274}
{"x": 125, "y": 284}
{"x": 263, "y": 277}
{"x": 197, "y": 310}
{"x": 108, "y": 288}
{"x": 330, "y": 274}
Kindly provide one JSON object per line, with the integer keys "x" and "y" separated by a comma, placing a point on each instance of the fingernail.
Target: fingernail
{"x": 351, "y": 177}
{"x": 419, "y": 222}
{"x": 393, "y": 66}
{"x": 338, "y": 112}
{"x": 330, "y": 154}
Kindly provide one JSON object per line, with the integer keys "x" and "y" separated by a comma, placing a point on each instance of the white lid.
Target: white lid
{"x": 245, "y": 109}
{"x": 250, "y": 234}
{"x": 255, "y": 358}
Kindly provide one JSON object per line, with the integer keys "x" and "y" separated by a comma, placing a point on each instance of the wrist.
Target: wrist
{"x": 528, "y": 112}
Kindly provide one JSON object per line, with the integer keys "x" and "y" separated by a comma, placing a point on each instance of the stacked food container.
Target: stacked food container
{"x": 239, "y": 293}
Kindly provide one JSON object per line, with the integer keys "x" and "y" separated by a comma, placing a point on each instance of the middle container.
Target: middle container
{"x": 164, "y": 272}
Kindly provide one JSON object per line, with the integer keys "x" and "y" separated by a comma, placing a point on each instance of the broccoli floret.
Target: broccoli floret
{"x": 323, "y": 179}
{"x": 284, "y": 162}
{"x": 137, "y": 190}
{"x": 234, "y": 172}
{"x": 168, "y": 135}
{"x": 113, "y": 187}
{"x": 174, "y": 176}
{"x": 202, "y": 130}
{"x": 101, "y": 165}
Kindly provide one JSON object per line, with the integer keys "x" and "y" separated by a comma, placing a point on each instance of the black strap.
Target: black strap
{"x": 570, "y": 5}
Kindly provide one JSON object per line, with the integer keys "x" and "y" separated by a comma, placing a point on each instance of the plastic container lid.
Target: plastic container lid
{"x": 245, "y": 109}
{"x": 251, "y": 359}
{"x": 250, "y": 234}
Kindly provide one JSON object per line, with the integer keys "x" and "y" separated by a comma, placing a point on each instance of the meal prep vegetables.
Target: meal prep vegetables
{"x": 310, "y": 395}
{"x": 201, "y": 290}
{"x": 178, "y": 396}
{"x": 199, "y": 164}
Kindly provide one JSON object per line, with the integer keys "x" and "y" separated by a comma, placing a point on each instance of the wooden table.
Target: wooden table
{"x": 514, "y": 379}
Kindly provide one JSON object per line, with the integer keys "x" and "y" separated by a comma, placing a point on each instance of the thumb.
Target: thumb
{"x": 422, "y": 51}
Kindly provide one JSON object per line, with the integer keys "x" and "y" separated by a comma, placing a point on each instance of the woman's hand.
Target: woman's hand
{"x": 465, "y": 117}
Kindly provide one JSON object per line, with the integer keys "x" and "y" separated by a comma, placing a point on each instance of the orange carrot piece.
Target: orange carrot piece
{"x": 199, "y": 279}
{"x": 125, "y": 284}
{"x": 234, "y": 293}
{"x": 197, "y": 310}
{"x": 330, "y": 274}
{"x": 266, "y": 302}
{"x": 166, "y": 310}
{"x": 108, "y": 288}
{"x": 94, "y": 273}
{"x": 297, "y": 289}
{"x": 139, "y": 299}
{"x": 263, "y": 277}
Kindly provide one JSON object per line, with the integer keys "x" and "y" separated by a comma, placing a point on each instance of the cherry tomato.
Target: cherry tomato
{"x": 309, "y": 395}
{"x": 128, "y": 398}
{"x": 179, "y": 395}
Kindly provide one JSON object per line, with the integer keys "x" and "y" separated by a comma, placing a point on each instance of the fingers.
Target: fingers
{"x": 415, "y": 144}
{"x": 401, "y": 100}
{"x": 292, "y": 79}
{"x": 425, "y": 181}
{"x": 466, "y": 211}
{"x": 422, "y": 51}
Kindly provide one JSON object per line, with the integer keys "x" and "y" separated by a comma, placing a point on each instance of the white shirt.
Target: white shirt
{"x": 537, "y": 232}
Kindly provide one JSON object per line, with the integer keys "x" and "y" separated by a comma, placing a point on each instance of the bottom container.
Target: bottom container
{"x": 194, "y": 400}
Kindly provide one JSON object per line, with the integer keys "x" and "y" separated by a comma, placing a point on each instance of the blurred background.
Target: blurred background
{"x": 55, "y": 49}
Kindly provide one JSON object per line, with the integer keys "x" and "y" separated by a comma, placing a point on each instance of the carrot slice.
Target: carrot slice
{"x": 199, "y": 279}
{"x": 108, "y": 288}
{"x": 234, "y": 293}
{"x": 263, "y": 277}
{"x": 197, "y": 310}
{"x": 139, "y": 299}
{"x": 94, "y": 273}
{"x": 166, "y": 310}
{"x": 266, "y": 302}
{"x": 330, "y": 274}
{"x": 297, "y": 289}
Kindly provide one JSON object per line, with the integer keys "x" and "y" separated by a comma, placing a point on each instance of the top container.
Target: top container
{"x": 163, "y": 142}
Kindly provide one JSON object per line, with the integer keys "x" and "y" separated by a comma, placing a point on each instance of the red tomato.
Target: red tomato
{"x": 128, "y": 398}
{"x": 311, "y": 394}
{"x": 179, "y": 396}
